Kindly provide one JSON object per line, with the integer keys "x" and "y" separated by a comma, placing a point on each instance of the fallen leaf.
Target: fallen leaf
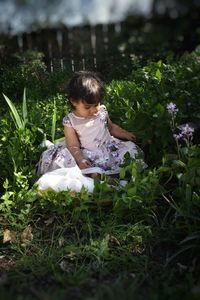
{"x": 8, "y": 236}
{"x": 49, "y": 221}
{"x": 114, "y": 240}
{"x": 61, "y": 241}
{"x": 26, "y": 236}
{"x": 65, "y": 266}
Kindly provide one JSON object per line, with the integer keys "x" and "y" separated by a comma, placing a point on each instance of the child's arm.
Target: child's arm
{"x": 73, "y": 145}
{"x": 119, "y": 132}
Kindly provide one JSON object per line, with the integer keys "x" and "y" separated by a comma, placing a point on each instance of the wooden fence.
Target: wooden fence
{"x": 94, "y": 47}
{"x": 87, "y": 47}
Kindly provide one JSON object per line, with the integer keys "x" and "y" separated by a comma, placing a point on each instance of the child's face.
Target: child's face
{"x": 85, "y": 110}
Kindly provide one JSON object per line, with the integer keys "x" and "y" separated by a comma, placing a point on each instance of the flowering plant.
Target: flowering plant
{"x": 186, "y": 167}
{"x": 185, "y": 131}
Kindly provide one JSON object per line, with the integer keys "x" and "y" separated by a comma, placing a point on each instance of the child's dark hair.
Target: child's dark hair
{"x": 87, "y": 86}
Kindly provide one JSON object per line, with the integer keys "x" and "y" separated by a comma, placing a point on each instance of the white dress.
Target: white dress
{"x": 104, "y": 151}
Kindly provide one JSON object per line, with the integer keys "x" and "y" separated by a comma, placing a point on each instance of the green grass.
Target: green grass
{"x": 137, "y": 242}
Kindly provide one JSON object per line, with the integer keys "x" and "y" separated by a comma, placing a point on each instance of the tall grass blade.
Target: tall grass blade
{"x": 60, "y": 140}
{"x": 18, "y": 122}
{"x": 195, "y": 236}
{"x": 177, "y": 253}
{"x": 24, "y": 109}
{"x": 53, "y": 126}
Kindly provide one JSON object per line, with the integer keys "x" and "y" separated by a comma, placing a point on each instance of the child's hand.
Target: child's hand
{"x": 84, "y": 163}
{"x": 129, "y": 136}
{"x": 119, "y": 132}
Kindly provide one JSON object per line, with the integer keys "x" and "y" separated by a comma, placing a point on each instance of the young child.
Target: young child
{"x": 91, "y": 138}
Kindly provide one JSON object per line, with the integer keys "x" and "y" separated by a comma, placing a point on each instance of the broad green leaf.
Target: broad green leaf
{"x": 122, "y": 173}
{"x": 158, "y": 75}
{"x": 18, "y": 121}
{"x": 179, "y": 163}
{"x": 159, "y": 63}
{"x": 131, "y": 191}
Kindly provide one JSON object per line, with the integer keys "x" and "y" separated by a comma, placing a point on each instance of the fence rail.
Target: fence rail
{"x": 78, "y": 47}
{"x": 94, "y": 47}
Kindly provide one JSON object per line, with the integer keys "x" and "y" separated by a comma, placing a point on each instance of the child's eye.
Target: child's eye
{"x": 88, "y": 107}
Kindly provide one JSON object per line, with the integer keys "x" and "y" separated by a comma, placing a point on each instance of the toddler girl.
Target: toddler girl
{"x": 92, "y": 140}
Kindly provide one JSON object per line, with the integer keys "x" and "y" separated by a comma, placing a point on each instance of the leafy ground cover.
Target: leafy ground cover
{"x": 140, "y": 241}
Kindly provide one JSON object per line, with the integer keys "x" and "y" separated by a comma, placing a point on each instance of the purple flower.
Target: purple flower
{"x": 172, "y": 109}
{"x": 177, "y": 136}
{"x": 187, "y": 131}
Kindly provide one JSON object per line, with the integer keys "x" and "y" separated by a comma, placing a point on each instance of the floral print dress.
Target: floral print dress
{"x": 97, "y": 145}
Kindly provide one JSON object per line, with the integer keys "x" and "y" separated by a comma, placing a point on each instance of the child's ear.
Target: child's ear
{"x": 73, "y": 103}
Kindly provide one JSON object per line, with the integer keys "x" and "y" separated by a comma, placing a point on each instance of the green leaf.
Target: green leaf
{"x": 6, "y": 184}
{"x": 131, "y": 191}
{"x": 24, "y": 108}
{"x": 53, "y": 126}
{"x": 158, "y": 75}
{"x": 188, "y": 193}
{"x": 60, "y": 140}
{"x": 18, "y": 121}
{"x": 194, "y": 236}
{"x": 122, "y": 173}
{"x": 159, "y": 63}
{"x": 179, "y": 163}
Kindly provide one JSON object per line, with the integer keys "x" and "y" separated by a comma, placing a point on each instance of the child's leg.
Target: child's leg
{"x": 57, "y": 156}
{"x": 94, "y": 175}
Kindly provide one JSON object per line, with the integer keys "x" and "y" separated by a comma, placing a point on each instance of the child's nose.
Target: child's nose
{"x": 95, "y": 109}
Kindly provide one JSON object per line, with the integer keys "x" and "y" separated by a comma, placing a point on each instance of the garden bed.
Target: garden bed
{"x": 119, "y": 243}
